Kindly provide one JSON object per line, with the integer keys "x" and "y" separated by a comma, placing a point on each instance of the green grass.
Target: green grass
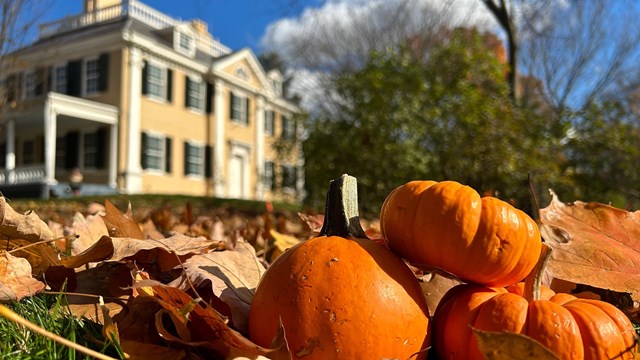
{"x": 50, "y": 313}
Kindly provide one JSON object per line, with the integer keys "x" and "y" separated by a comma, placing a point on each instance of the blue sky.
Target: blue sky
{"x": 236, "y": 23}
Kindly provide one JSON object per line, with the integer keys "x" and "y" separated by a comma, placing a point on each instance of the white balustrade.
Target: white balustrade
{"x": 133, "y": 9}
{"x": 24, "y": 175}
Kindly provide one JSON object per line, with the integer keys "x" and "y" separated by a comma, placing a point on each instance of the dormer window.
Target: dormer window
{"x": 276, "y": 85}
{"x": 184, "y": 42}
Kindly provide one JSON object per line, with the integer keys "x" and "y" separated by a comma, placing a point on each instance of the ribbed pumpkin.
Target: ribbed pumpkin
{"x": 448, "y": 226}
{"x": 572, "y": 328}
{"x": 341, "y": 295}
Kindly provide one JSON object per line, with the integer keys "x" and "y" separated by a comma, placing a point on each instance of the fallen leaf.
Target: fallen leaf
{"x": 511, "y": 346}
{"x": 88, "y": 230}
{"x": 434, "y": 287}
{"x": 26, "y": 226}
{"x": 140, "y": 350}
{"x": 119, "y": 224}
{"x": 16, "y": 281}
{"x": 281, "y": 242}
{"x": 314, "y": 222}
{"x": 233, "y": 276}
{"x": 593, "y": 244}
{"x": 100, "y": 250}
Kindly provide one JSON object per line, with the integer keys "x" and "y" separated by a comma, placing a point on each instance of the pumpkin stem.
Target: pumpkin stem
{"x": 533, "y": 281}
{"x": 341, "y": 217}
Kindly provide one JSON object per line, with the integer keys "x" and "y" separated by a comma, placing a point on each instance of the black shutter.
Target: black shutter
{"x": 72, "y": 150}
{"x": 169, "y": 84}
{"x": 41, "y": 76}
{"x": 232, "y": 108}
{"x": 103, "y": 72}
{"x": 12, "y": 91}
{"x": 145, "y": 75}
{"x": 186, "y": 158}
{"x": 187, "y": 85}
{"x": 209, "y": 98}
{"x": 208, "y": 163}
{"x": 102, "y": 136}
{"x": 3, "y": 155}
{"x": 74, "y": 78}
{"x": 50, "y": 79}
{"x": 167, "y": 155}
{"x": 143, "y": 148}
{"x": 247, "y": 112}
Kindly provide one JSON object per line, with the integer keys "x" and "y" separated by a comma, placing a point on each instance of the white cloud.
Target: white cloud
{"x": 341, "y": 33}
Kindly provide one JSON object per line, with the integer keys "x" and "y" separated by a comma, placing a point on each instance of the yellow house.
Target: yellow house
{"x": 141, "y": 102}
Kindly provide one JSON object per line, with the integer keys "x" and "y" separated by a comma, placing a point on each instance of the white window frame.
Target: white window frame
{"x": 178, "y": 43}
{"x": 196, "y": 94}
{"x": 288, "y": 127}
{"x": 89, "y": 148}
{"x": 87, "y": 77}
{"x": 270, "y": 122}
{"x": 198, "y": 161}
{"x": 269, "y": 175}
{"x": 30, "y": 84}
{"x": 160, "y": 153}
{"x": 285, "y": 186}
{"x": 161, "y": 83}
{"x": 242, "y": 110}
{"x": 57, "y": 81}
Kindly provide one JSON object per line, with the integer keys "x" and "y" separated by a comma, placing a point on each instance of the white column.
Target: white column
{"x": 219, "y": 147}
{"x": 259, "y": 147}
{"x": 113, "y": 155}
{"x": 11, "y": 151}
{"x": 133, "y": 171}
{"x": 50, "y": 131}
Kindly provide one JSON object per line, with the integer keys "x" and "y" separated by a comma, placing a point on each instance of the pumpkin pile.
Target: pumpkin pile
{"x": 448, "y": 227}
{"x": 342, "y": 296}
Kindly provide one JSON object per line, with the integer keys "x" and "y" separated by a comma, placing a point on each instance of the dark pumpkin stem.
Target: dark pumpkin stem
{"x": 341, "y": 217}
{"x": 533, "y": 281}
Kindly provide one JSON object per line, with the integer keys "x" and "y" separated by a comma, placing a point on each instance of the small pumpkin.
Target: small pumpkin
{"x": 341, "y": 295}
{"x": 571, "y": 327}
{"x": 447, "y": 226}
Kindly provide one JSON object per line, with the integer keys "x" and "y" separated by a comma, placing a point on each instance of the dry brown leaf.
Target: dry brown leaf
{"x": 593, "y": 244}
{"x": 99, "y": 251}
{"x": 26, "y": 226}
{"x": 119, "y": 224}
{"x": 511, "y": 346}
{"x": 205, "y": 328}
{"x": 314, "y": 222}
{"x": 16, "y": 281}
{"x": 88, "y": 230}
{"x": 281, "y": 242}
{"x": 233, "y": 276}
{"x": 140, "y": 350}
{"x": 150, "y": 231}
{"x": 434, "y": 287}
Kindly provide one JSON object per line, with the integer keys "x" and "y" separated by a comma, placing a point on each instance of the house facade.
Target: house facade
{"x": 144, "y": 103}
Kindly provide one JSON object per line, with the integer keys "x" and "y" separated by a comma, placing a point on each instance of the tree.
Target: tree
{"x": 17, "y": 17}
{"x": 581, "y": 50}
{"x": 446, "y": 117}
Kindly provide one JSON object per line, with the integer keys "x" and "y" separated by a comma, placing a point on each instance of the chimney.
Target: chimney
{"x": 95, "y": 5}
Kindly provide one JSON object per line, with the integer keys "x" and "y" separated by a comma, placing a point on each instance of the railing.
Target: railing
{"x": 23, "y": 175}
{"x": 133, "y": 9}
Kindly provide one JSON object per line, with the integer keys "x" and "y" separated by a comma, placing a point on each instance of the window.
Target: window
{"x": 153, "y": 152}
{"x": 90, "y": 150}
{"x": 30, "y": 83}
{"x": 3, "y": 155}
{"x": 276, "y": 85}
{"x": 288, "y": 177}
{"x": 269, "y": 175}
{"x": 91, "y": 77}
{"x": 60, "y": 79}
{"x": 156, "y": 81}
{"x": 185, "y": 43}
{"x": 242, "y": 74}
{"x": 28, "y": 152}
{"x": 239, "y": 107}
{"x": 61, "y": 152}
{"x": 269, "y": 122}
{"x": 194, "y": 159}
{"x": 195, "y": 94}
{"x": 288, "y": 127}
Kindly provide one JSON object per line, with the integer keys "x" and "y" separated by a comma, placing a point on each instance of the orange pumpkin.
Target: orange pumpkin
{"x": 341, "y": 295}
{"x": 572, "y": 328}
{"x": 447, "y": 226}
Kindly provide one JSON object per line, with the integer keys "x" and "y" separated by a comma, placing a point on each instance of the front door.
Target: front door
{"x": 236, "y": 177}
